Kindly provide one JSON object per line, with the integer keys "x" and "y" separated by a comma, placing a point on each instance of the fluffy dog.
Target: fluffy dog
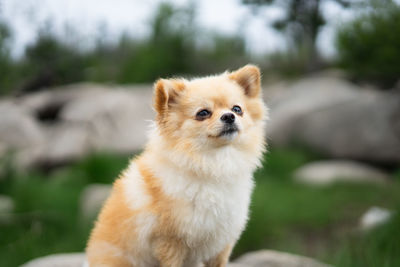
{"x": 184, "y": 201}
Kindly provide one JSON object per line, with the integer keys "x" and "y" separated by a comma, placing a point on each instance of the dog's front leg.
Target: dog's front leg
{"x": 170, "y": 252}
{"x": 221, "y": 259}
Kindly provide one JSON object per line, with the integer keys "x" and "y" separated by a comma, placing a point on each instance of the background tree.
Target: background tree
{"x": 168, "y": 49}
{"x": 368, "y": 46}
{"x": 302, "y": 22}
{"x": 176, "y": 45}
{"x": 7, "y": 65}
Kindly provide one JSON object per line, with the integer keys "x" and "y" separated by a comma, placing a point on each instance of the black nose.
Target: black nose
{"x": 228, "y": 118}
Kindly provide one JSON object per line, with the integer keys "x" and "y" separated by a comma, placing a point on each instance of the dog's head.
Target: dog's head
{"x": 211, "y": 112}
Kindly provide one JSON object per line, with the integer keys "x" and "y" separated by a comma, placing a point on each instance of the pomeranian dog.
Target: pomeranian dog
{"x": 184, "y": 201}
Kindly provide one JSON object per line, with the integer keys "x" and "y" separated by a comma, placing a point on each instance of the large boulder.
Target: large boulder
{"x": 65, "y": 142}
{"x": 337, "y": 118}
{"x": 116, "y": 120}
{"x": 66, "y": 123}
{"x": 327, "y": 114}
{"x": 301, "y": 98}
{"x": 19, "y": 131}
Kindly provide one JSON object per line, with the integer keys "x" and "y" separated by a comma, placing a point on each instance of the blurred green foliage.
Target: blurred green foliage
{"x": 167, "y": 51}
{"x": 377, "y": 248}
{"x": 7, "y": 69}
{"x": 49, "y": 62}
{"x": 175, "y": 46}
{"x": 320, "y": 222}
{"x": 47, "y": 217}
{"x": 288, "y": 64}
{"x": 368, "y": 47}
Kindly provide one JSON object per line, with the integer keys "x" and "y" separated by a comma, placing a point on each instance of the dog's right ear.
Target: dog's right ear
{"x": 166, "y": 92}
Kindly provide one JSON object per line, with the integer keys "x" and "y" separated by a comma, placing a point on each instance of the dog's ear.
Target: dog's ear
{"x": 166, "y": 92}
{"x": 248, "y": 77}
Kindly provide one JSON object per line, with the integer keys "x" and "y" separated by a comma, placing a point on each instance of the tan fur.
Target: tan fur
{"x": 114, "y": 215}
{"x": 161, "y": 204}
{"x": 184, "y": 201}
{"x": 221, "y": 259}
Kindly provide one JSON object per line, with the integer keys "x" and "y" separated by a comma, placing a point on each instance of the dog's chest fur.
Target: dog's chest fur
{"x": 213, "y": 211}
{"x": 208, "y": 210}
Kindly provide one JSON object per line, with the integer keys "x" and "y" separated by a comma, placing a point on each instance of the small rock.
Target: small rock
{"x": 6, "y": 204}
{"x": 270, "y": 258}
{"x": 236, "y": 265}
{"x": 374, "y": 217}
{"x": 58, "y": 260}
{"x": 6, "y": 210}
{"x": 92, "y": 199}
{"x": 327, "y": 172}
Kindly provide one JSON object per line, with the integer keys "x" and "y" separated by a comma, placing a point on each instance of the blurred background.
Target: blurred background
{"x": 75, "y": 99}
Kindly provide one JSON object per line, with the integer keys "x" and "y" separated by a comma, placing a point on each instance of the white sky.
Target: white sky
{"x": 228, "y": 16}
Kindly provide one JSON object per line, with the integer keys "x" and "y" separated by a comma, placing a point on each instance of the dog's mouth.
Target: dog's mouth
{"x": 228, "y": 130}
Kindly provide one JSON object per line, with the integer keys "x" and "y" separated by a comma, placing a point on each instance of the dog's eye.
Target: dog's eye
{"x": 237, "y": 110}
{"x": 203, "y": 114}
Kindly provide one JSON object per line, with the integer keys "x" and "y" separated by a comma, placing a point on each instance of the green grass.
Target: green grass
{"x": 287, "y": 216}
{"x": 319, "y": 222}
{"x": 46, "y": 218}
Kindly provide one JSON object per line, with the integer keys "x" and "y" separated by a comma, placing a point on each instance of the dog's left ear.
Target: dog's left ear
{"x": 248, "y": 78}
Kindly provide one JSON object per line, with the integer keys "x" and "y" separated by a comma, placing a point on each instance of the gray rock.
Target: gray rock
{"x": 338, "y": 119}
{"x": 92, "y": 199}
{"x": 373, "y": 217}
{"x": 65, "y": 142}
{"x": 116, "y": 120}
{"x": 323, "y": 112}
{"x": 6, "y": 204}
{"x": 270, "y": 258}
{"x": 19, "y": 132}
{"x": 262, "y": 258}
{"x": 69, "y": 122}
{"x": 236, "y": 265}
{"x": 329, "y": 171}
{"x": 58, "y": 260}
{"x": 302, "y": 98}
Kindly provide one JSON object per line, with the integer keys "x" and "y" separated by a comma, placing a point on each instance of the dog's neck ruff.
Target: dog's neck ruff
{"x": 225, "y": 162}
